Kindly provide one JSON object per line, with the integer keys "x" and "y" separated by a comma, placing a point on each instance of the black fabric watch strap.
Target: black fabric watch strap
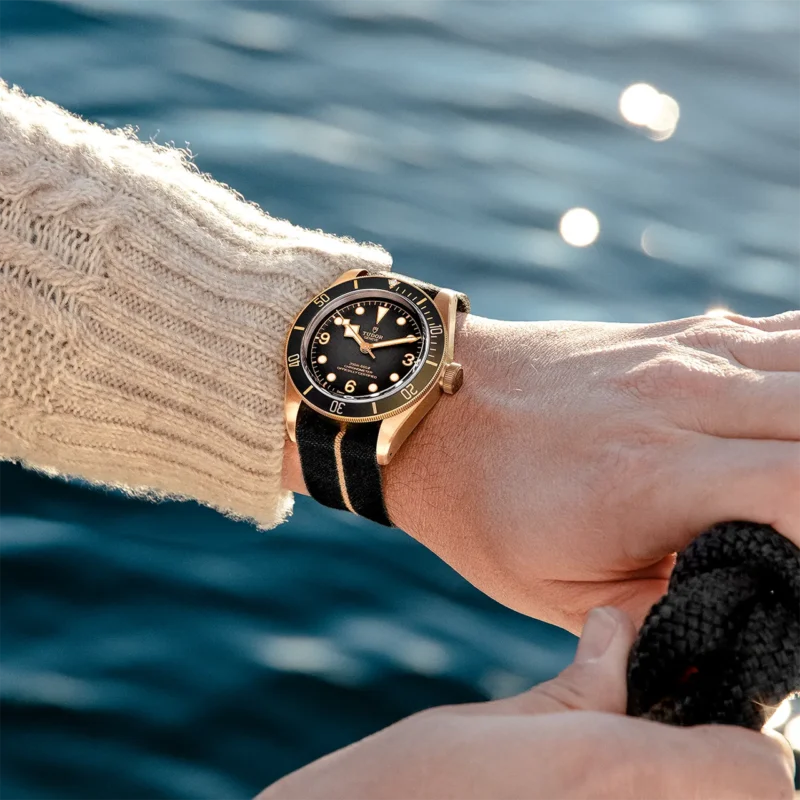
{"x": 362, "y": 473}
{"x": 316, "y": 437}
{"x": 340, "y": 465}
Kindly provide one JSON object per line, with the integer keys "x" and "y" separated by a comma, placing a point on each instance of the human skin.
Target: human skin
{"x": 579, "y": 457}
{"x": 567, "y": 738}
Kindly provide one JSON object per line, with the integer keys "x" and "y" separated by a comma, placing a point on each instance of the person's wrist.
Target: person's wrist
{"x": 424, "y": 485}
{"x": 427, "y": 487}
{"x": 292, "y": 473}
{"x": 450, "y": 485}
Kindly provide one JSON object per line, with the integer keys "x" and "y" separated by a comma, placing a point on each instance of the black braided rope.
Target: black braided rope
{"x": 723, "y": 645}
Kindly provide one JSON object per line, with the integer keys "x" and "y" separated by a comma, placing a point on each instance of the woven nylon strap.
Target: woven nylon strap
{"x": 723, "y": 645}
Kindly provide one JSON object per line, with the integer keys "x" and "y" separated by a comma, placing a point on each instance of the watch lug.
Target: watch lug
{"x": 349, "y": 276}
{"x": 447, "y": 303}
{"x": 291, "y": 409}
{"x": 395, "y": 430}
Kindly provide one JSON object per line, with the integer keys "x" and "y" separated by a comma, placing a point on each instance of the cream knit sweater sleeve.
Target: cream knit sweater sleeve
{"x": 143, "y": 310}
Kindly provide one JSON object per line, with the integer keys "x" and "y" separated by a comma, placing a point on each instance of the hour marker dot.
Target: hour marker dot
{"x": 401, "y": 321}
{"x": 360, "y": 310}
{"x": 331, "y": 377}
{"x": 394, "y": 377}
{"x": 322, "y": 359}
{"x": 373, "y": 387}
{"x": 338, "y": 321}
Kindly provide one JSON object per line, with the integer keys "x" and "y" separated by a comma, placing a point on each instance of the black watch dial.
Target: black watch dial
{"x": 366, "y": 348}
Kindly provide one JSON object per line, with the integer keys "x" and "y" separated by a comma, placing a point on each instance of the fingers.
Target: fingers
{"x": 741, "y": 479}
{"x": 768, "y": 343}
{"x": 703, "y": 386}
{"x": 777, "y": 351}
{"x": 596, "y": 680}
{"x": 744, "y": 404}
{"x": 719, "y": 761}
{"x": 603, "y": 755}
{"x": 788, "y": 321}
{"x": 748, "y": 764}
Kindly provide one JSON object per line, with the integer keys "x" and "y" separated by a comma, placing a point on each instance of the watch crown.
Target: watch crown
{"x": 452, "y": 377}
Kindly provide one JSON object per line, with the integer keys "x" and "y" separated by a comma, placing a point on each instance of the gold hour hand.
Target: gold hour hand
{"x": 365, "y": 348}
{"x": 405, "y": 340}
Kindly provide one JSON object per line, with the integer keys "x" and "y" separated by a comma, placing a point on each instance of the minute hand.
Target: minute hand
{"x": 404, "y": 340}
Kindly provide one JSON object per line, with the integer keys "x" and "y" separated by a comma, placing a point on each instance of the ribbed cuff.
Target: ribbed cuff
{"x": 143, "y": 314}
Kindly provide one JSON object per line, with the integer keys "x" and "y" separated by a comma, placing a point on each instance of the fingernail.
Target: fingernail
{"x": 598, "y": 633}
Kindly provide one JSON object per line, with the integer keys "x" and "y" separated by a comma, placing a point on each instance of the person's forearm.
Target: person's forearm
{"x": 143, "y": 313}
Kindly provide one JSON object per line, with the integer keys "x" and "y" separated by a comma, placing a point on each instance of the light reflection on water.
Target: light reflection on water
{"x": 154, "y": 651}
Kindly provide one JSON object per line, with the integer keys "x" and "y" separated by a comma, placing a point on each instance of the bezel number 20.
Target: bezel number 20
{"x": 409, "y": 391}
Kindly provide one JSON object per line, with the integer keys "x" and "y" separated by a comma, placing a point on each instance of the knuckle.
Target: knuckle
{"x": 739, "y": 319}
{"x": 666, "y": 375}
{"x": 707, "y": 333}
{"x": 564, "y": 691}
{"x": 723, "y": 338}
{"x": 747, "y": 349}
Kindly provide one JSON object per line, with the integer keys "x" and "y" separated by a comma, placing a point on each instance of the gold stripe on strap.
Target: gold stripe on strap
{"x": 337, "y": 453}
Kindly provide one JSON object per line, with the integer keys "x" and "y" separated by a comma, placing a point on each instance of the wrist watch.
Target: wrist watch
{"x": 365, "y": 361}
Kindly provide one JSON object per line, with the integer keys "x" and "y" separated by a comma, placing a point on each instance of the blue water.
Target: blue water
{"x": 163, "y": 651}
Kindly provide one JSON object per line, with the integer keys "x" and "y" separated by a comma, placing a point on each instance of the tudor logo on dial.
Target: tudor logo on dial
{"x": 364, "y": 348}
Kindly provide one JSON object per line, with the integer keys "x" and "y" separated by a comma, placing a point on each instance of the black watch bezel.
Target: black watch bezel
{"x": 380, "y": 408}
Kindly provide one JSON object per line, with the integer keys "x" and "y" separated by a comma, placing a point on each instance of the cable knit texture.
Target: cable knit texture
{"x": 143, "y": 312}
{"x": 723, "y": 645}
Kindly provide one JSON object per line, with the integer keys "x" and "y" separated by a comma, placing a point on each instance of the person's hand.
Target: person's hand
{"x": 578, "y": 457}
{"x": 566, "y": 738}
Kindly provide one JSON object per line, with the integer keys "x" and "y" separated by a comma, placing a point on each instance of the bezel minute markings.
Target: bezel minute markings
{"x": 392, "y": 397}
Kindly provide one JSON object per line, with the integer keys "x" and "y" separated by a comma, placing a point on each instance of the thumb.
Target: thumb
{"x": 596, "y": 680}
